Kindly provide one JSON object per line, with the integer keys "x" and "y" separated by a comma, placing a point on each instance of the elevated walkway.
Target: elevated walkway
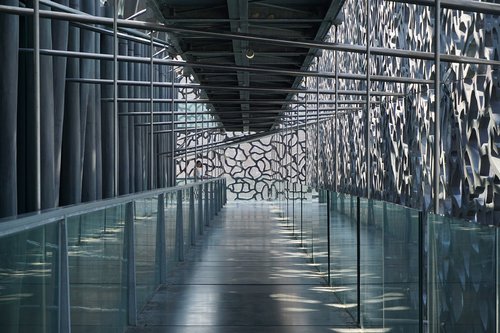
{"x": 248, "y": 275}
{"x": 175, "y": 260}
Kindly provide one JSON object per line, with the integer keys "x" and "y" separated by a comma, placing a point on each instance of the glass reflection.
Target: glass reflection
{"x": 29, "y": 280}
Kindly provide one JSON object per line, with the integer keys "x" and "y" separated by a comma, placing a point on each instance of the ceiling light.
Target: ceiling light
{"x": 250, "y": 54}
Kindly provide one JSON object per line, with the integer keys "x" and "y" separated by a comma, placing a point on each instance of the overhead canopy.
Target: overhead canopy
{"x": 238, "y": 109}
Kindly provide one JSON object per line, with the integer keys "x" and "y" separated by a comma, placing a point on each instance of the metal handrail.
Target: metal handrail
{"x": 15, "y": 224}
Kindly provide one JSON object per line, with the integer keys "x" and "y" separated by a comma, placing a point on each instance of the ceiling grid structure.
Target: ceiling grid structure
{"x": 242, "y": 63}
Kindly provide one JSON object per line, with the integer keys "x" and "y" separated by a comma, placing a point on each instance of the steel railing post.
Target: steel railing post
{"x": 206, "y": 210}
{"x": 64, "y": 288}
{"x": 129, "y": 250}
{"x": 192, "y": 222}
{"x": 179, "y": 228}
{"x": 161, "y": 249}
{"x": 200, "y": 209}
{"x": 358, "y": 259}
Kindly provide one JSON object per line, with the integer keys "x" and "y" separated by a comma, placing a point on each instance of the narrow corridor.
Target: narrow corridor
{"x": 248, "y": 274}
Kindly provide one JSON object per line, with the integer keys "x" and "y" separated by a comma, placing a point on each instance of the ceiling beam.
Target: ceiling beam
{"x": 465, "y": 5}
{"x": 361, "y": 49}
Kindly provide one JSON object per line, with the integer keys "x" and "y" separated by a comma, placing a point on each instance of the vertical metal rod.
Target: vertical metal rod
{"x": 216, "y": 197}
{"x": 36, "y": 102}
{"x": 216, "y": 169}
{"x": 151, "y": 116}
{"x": 297, "y": 146}
{"x": 192, "y": 222}
{"x": 173, "y": 139}
{"x": 44, "y": 280}
{"x": 200, "y": 209}
{"x": 207, "y": 212}
{"x": 64, "y": 288}
{"x": 305, "y": 128}
{"x": 212, "y": 199}
{"x": 368, "y": 102}
{"x": 293, "y": 208}
{"x": 335, "y": 113}
{"x": 296, "y": 162}
{"x": 328, "y": 235}
{"x": 161, "y": 249}
{"x": 437, "y": 103}
{"x": 497, "y": 261}
{"x": 204, "y": 168}
{"x": 185, "y": 135}
{"x": 179, "y": 228}
{"x": 129, "y": 249}
{"x": 195, "y": 138}
{"x": 219, "y": 193}
{"x": 301, "y": 214}
{"x": 287, "y": 195}
{"x": 358, "y": 259}
{"x": 421, "y": 272}
{"x": 115, "y": 94}
{"x": 317, "y": 124}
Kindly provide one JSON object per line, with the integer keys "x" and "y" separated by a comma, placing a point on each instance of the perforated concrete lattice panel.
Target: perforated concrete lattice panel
{"x": 252, "y": 169}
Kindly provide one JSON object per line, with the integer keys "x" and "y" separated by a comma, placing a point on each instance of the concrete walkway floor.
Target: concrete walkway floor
{"x": 247, "y": 274}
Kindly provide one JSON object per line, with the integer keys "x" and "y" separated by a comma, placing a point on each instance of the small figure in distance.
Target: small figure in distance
{"x": 199, "y": 170}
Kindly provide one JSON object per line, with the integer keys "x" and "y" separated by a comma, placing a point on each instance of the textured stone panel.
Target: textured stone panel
{"x": 401, "y": 129}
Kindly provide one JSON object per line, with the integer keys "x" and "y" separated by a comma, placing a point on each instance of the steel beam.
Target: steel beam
{"x": 468, "y": 6}
{"x": 231, "y": 88}
{"x": 235, "y": 101}
{"x": 259, "y": 70}
{"x": 130, "y": 34}
{"x": 381, "y": 51}
{"x": 162, "y": 113}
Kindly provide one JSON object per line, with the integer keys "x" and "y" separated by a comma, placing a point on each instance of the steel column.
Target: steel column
{"x": 173, "y": 176}
{"x": 358, "y": 260}
{"x": 115, "y": 95}
{"x": 421, "y": 254}
{"x": 186, "y": 136}
{"x": 196, "y": 138}
{"x": 335, "y": 112}
{"x": 317, "y": 124}
{"x": 37, "y": 104}
{"x": 293, "y": 208}
{"x": 328, "y": 235}
{"x": 437, "y": 104}
{"x": 151, "y": 116}
{"x": 368, "y": 102}
{"x": 9, "y": 58}
{"x": 497, "y": 261}
{"x": 301, "y": 214}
